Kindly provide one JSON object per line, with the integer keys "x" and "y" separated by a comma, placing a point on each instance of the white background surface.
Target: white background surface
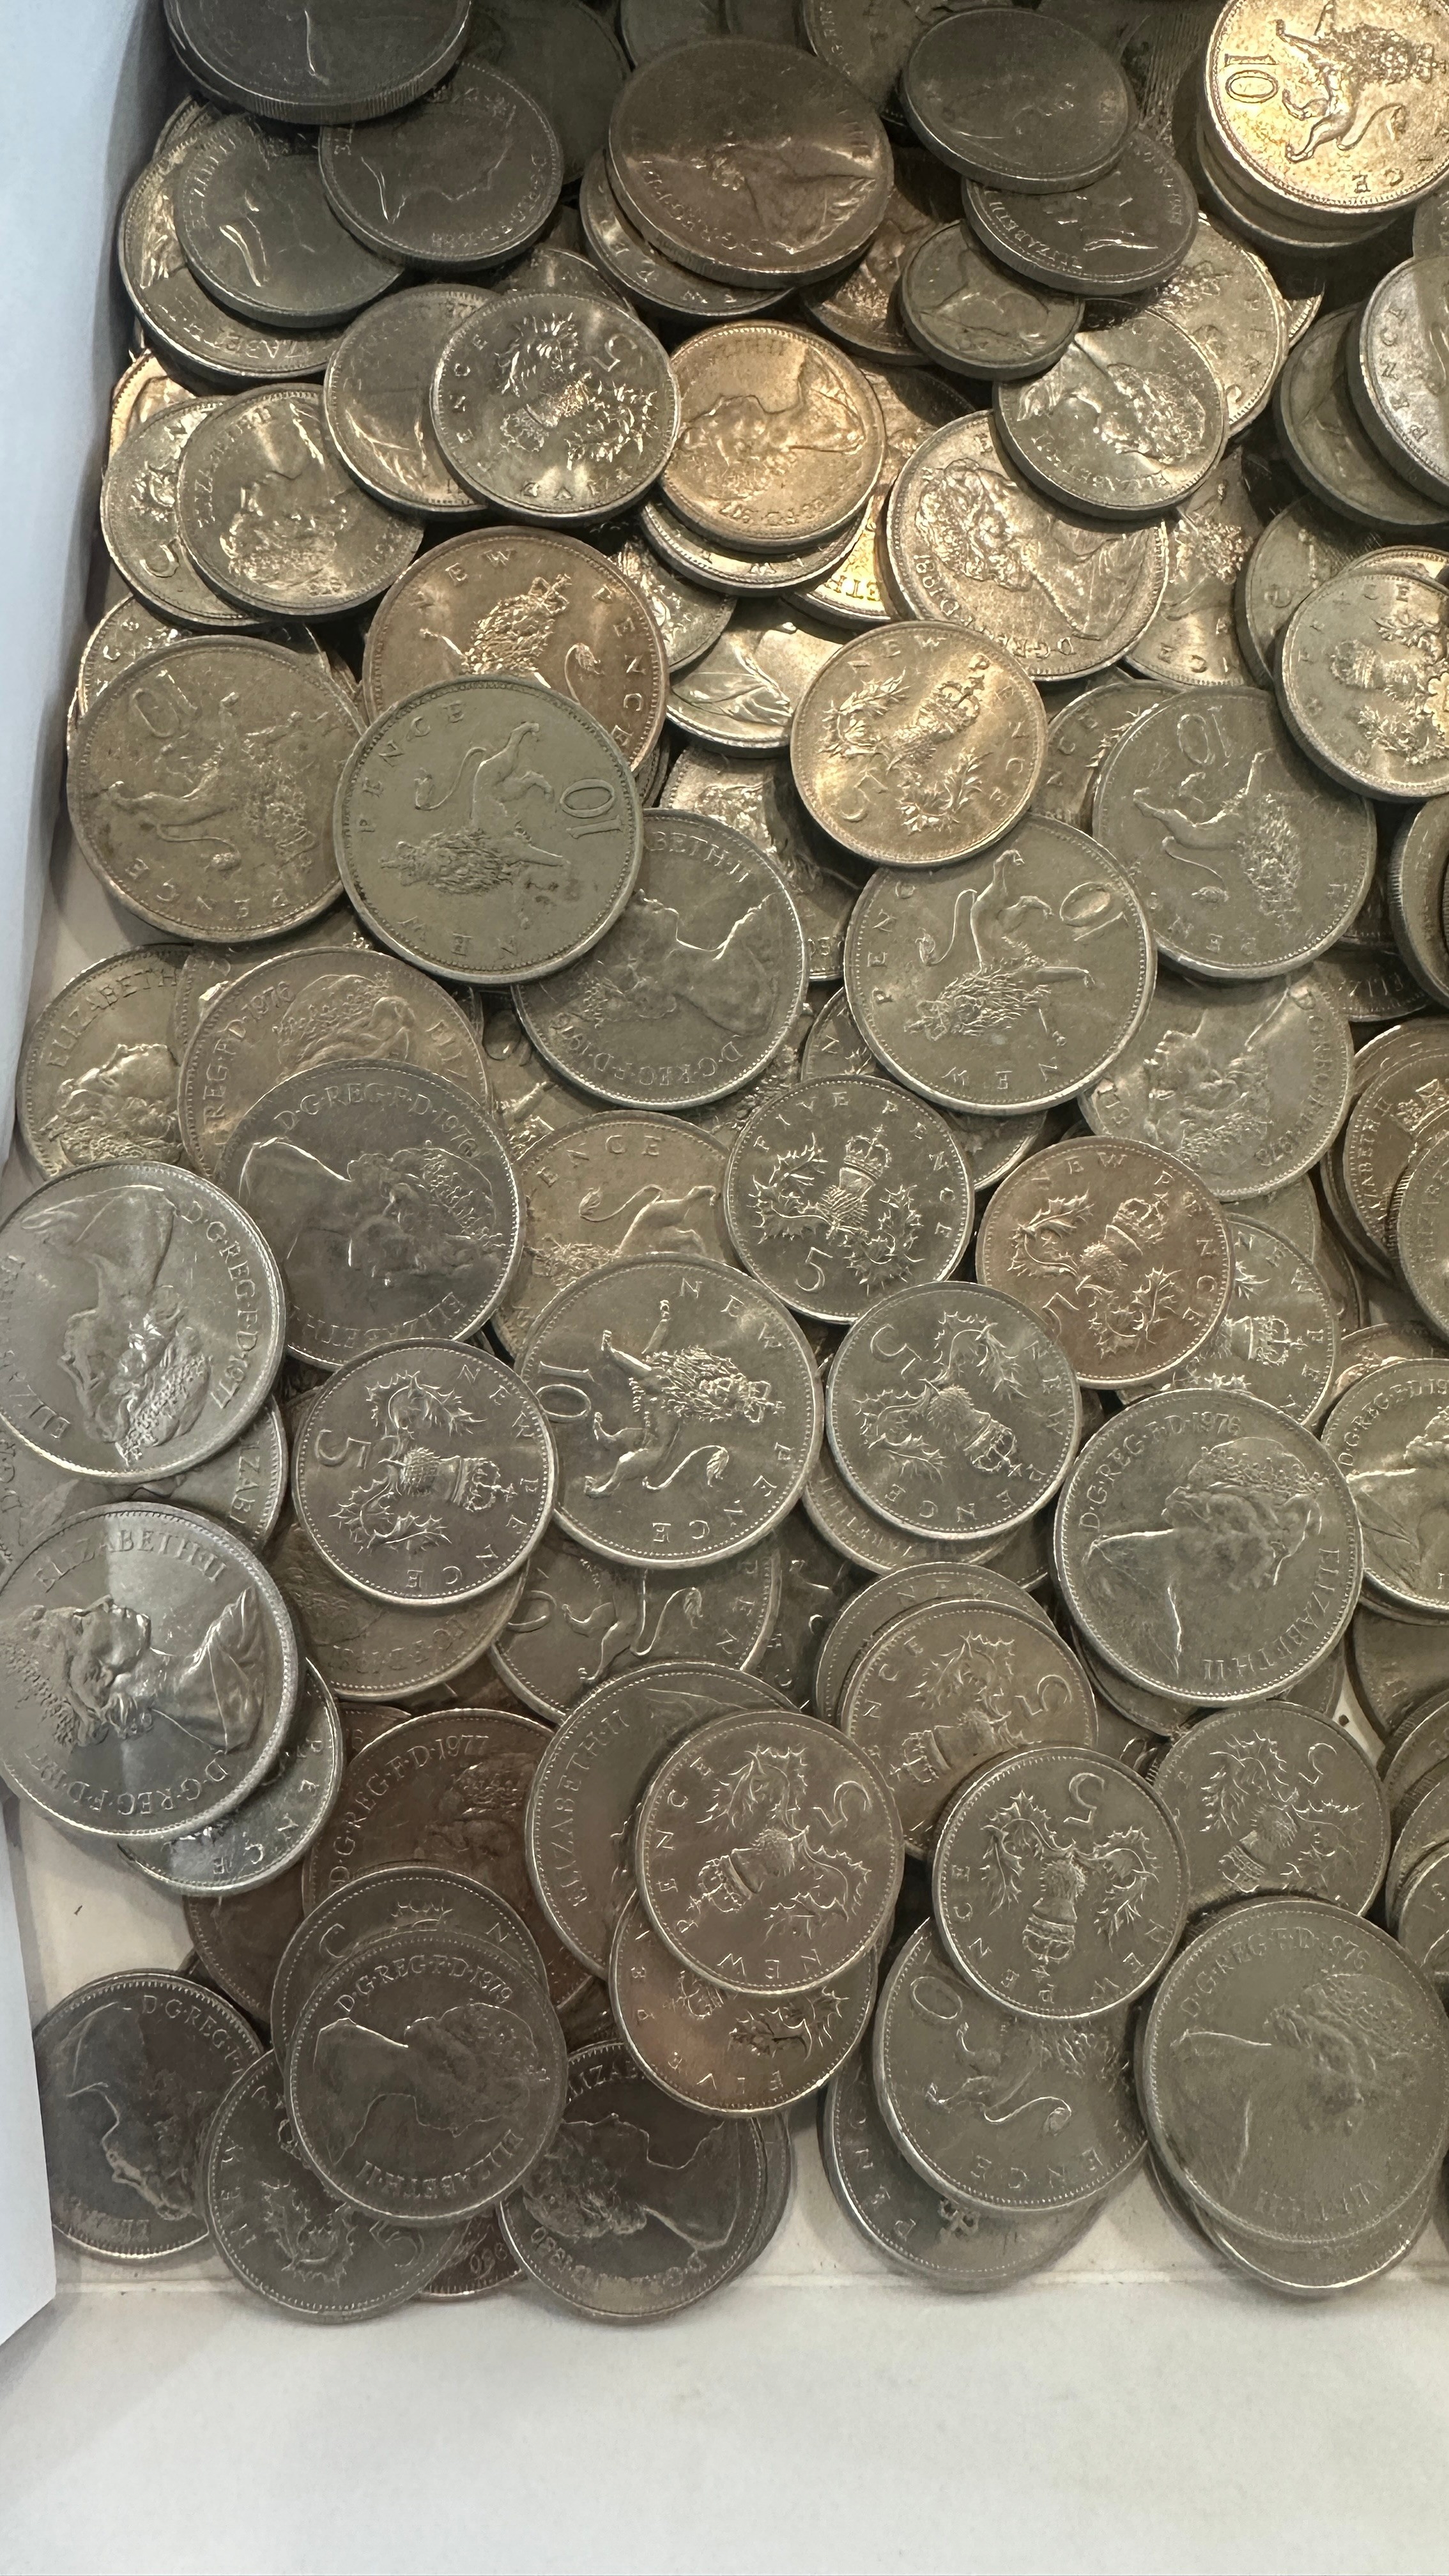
{"x": 1134, "y": 2410}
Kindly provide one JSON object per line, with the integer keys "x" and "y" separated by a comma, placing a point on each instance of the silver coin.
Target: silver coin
{"x": 124, "y": 636}
{"x": 1130, "y": 421}
{"x": 986, "y": 2106}
{"x": 1209, "y": 1548}
{"x": 779, "y": 438}
{"x": 991, "y": 1147}
{"x": 463, "y": 180}
{"x": 1328, "y": 444}
{"x": 653, "y": 27}
{"x": 208, "y": 973}
{"x": 759, "y": 798}
{"x": 245, "y": 1484}
{"x": 1319, "y": 2271}
{"x": 740, "y": 575}
{"x": 1291, "y": 1210}
{"x": 860, "y": 1535}
{"x": 256, "y": 228}
{"x": 612, "y": 1189}
{"x": 1370, "y": 985}
{"x": 1079, "y": 738}
{"x": 581, "y": 1621}
{"x": 1392, "y": 366}
{"x": 1298, "y": 551}
{"x": 375, "y": 398}
{"x": 725, "y": 1120}
{"x": 655, "y": 1018}
{"x": 870, "y": 47}
{"x": 1423, "y": 1914}
{"x": 311, "y": 73}
{"x": 1226, "y": 300}
{"x": 139, "y": 523}
{"x": 1414, "y": 1751}
{"x": 1245, "y": 1084}
{"x": 1360, "y": 681}
{"x": 866, "y": 1616}
{"x": 1421, "y": 1238}
{"x": 862, "y": 305}
{"x": 153, "y": 1669}
{"x": 1007, "y": 982}
{"x": 705, "y": 2046}
{"x": 665, "y": 290}
{"x": 180, "y": 319}
{"x": 272, "y": 519}
{"x": 685, "y": 1407}
{"x": 528, "y": 1100}
{"x": 1025, "y": 102}
{"x": 1384, "y": 1436}
{"x": 415, "y": 1898}
{"x": 1193, "y": 641}
{"x": 689, "y": 619}
{"x": 1421, "y": 1831}
{"x": 1278, "y": 1338}
{"x": 815, "y": 1584}
{"x": 1396, "y": 1667}
{"x": 567, "y": 58}
{"x": 367, "y": 1650}
{"x": 1269, "y": 1800}
{"x": 1374, "y": 1347}
{"x": 1118, "y": 236}
{"x": 97, "y": 1077}
{"x": 976, "y": 318}
{"x": 1416, "y": 882}
{"x": 131, "y": 2069}
{"x": 273, "y": 1825}
{"x": 555, "y": 407}
{"x": 742, "y": 695}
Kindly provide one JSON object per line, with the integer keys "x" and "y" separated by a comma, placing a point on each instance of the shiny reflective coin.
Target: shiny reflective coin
{"x": 256, "y": 228}
{"x": 368, "y": 1651}
{"x": 1079, "y": 738}
{"x": 1005, "y": 983}
{"x": 423, "y": 1475}
{"x": 375, "y": 398}
{"x": 245, "y": 1484}
{"x": 1271, "y": 1801}
{"x": 565, "y": 56}
{"x": 685, "y": 1407}
{"x": 759, "y": 799}
{"x": 1393, "y": 369}
{"x": 1421, "y": 1830}
{"x": 712, "y": 2048}
{"x": 992, "y": 1146}
{"x": 153, "y": 1673}
{"x": 695, "y": 987}
{"x": 528, "y": 1102}
{"x": 1025, "y": 102}
{"x": 953, "y": 1412}
{"x": 419, "y": 1899}
{"x": 1416, "y": 883}
{"x": 1361, "y": 681}
{"x": 1247, "y": 861}
{"x": 839, "y": 1191}
{"x": 131, "y": 2069}
{"x": 146, "y": 1322}
{"x": 1330, "y": 447}
{"x": 815, "y": 1584}
{"x": 1126, "y": 232}
{"x": 523, "y": 604}
{"x": 1193, "y": 640}
{"x": 1375, "y": 1347}
{"x": 207, "y": 973}
{"x": 273, "y": 1824}
{"x": 290, "y": 65}
{"x": 97, "y": 1078}
{"x": 970, "y": 541}
{"x": 238, "y": 1939}
{"x": 589, "y": 1781}
{"x": 1421, "y": 1233}
{"x": 1414, "y": 1752}
{"x": 1245, "y": 1084}
{"x": 689, "y": 619}
{"x": 1234, "y": 2057}
{"x": 1127, "y": 423}
{"x": 1291, "y": 1211}
{"x": 139, "y": 522}
{"x": 751, "y": 163}
{"x": 612, "y": 1189}
{"x": 733, "y": 572}
{"x": 869, "y": 1612}
{"x": 1384, "y": 155}
{"x": 1225, "y": 298}
{"x": 463, "y": 180}
{"x": 1423, "y": 1914}
{"x": 683, "y": 2193}
{"x": 918, "y": 744}
{"x": 951, "y": 2070}
{"x": 272, "y": 519}
{"x": 1012, "y": 1837}
{"x": 665, "y": 290}
{"x": 1320, "y": 2271}
{"x": 425, "y": 2075}
{"x": 284, "y": 2234}
{"x": 580, "y": 1621}
{"x": 977, "y": 318}
{"x": 949, "y": 1687}
{"x": 484, "y": 2262}
{"x": 1278, "y": 1338}
{"x": 861, "y": 1536}
{"x": 780, "y": 440}
{"x": 1209, "y": 1548}
{"x": 1395, "y": 1117}
{"x": 1385, "y": 1435}
{"x": 1396, "y": 1667}
{"x": 555, "y": 407}
{"x": 737, "y": 1825}
{"x": 125, "y": 635}
{"x": 190, "y": 328}
{"x": 531, "y": 841}
{"x": 304, "y": 1012}
{"x": 862, "y": 306}
{"x": 1298, "y": 551}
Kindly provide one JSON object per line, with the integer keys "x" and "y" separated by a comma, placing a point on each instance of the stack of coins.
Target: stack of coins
{"x": 715, "y": 1353}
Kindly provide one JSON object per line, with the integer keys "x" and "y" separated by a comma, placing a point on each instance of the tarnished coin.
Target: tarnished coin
{"x": 1128, "y": 422}
{"x": 1193, "y": 640}
{"x": 1226, "y": 300}
{"x": 992, "y": 1147}
{"x": 685, "y": 1407}
{"x": 1339, "y": 117}
{"x": 1387, "y": 1435}
{"x": 1058, "y": 1883}
{"x": 667, "y": 292}
{"x": 868, "y": 1613}
{"x": 139, "y": 523}
{"x": 1327, "y": 442}
{"x": 530, "y": 843}
{"x": 1007, "y": 982}
{"x": 1023, "y": 101}
{"x": 977, "y": 318}
{"x": 97, "y": 1078}
{"x": 367, "y": 1650}
{"x": 1245, "y": 1084}
{"x": 389, "y": 1201}
{"x": 201, "y": 785}
{"x": 1122, "y": 234}
{"x": 642, "y": 2205}
{"x": 1298, "y": 551}
{"x": 555, "y": 407}
{"x": 589, "y": 1780}
{"x": 971, "y": 542}
{"x": 207, "y": 973}
{"x": 131, "y": 2069}
{"x": 740, "y": 1834}
{"x": 815, "y": 1584}
{"x": 1396, "y": 1666}
{"x": 237, "y": 1940}
{"x": 566, "y": 56}
{"x": 1423, "y": 1915}
{"x": 285, "y": 2235}
{"x": 1418, "y": 866}
{"x": 743, "y": 694}
{"x": 425, "y": 2075}
{"x": 688, "y": 618}
{"x": 523, "y": 604}
{"x": 315, "y": 67}
{"x": 952, "y": 1685}
{"x": 155, "y": 1707}
{"x": 245, "y": 1484}
{"x": 612, "y": 1189}
{"x": 1247, "y": 861}
{"x": 1235, "y": 2060}
{"x": 712, "y": 2048}
{"x": 375, "y": 398}
{"x": 1362, "y": 681}
{"x": 953, "y": 1412}
{"x": 1209, "y": 1548}
{"x": 839, "y": 1191}
{"x": 181, "y": 320}
{"x": 918, "y": 744}
{"x": 273, "y": 1824}
{"x": 1278, "y": 1338}
{"x": 758, "y": 798}
{"x": 463, "y": 180}
{"x": 145, "y": 1319}
{"x": 870, "y": 47}
{"x": 1421, "y": 1233}
{"x": 695, "y": 987}
{"x": 528, "y": 1101}
{"x": 780, "y": 439}
{"x": 1269, "y": 1800}
{"x": 256, "y": 228}
{"x": 990, "y": 2107}
{"x": 1414, "y": 1753}
{"x": 424, "y": 1474}
{"x": 752, "y": 163}
{"x": 396, "y": 1898}
{"x": 1119, "y": 1248}
{"x": 272, "y": 519}
{"x": 861, "y": 306}
{"x": 1079, "y": 738}
{"x": 581, "y": 1620}
{"x": 652, "y": 27}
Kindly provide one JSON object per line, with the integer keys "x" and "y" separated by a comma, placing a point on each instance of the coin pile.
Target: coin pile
{"x": 713, "y": 1352}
